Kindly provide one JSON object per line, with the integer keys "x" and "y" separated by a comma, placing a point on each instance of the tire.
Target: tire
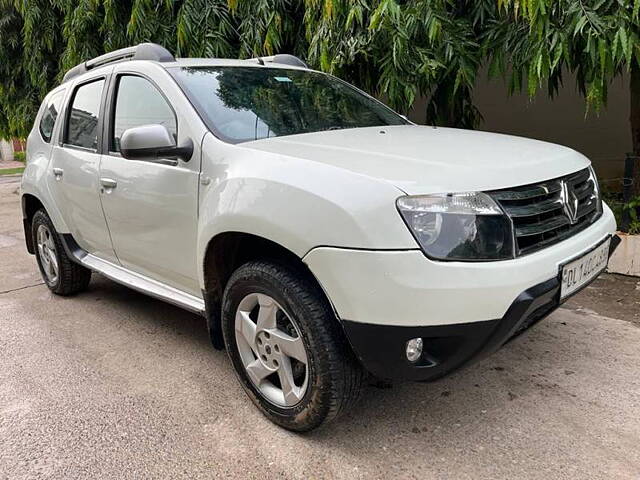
{"x": 68, "y": 277}
{"x": 332, "y": 378}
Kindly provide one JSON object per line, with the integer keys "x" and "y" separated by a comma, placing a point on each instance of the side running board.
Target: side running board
{"x": 131, "y": 279}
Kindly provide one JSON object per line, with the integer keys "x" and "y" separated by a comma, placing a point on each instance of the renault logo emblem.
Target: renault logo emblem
{"x": 570, "y": 202}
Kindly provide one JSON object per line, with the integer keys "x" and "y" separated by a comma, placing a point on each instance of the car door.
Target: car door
{"x": 73, "y": 173}
{"x": 151, "y": 207}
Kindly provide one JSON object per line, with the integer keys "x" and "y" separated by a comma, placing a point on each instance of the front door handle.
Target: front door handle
{"x": 58, "y": 172}
{"x": 108, "y": 183}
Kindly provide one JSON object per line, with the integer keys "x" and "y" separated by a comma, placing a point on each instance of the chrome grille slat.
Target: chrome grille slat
{"x": 561, "y": 235}
{"x": 548, "y": 205}
{"x": 539, "y": 228}
{"x": 584, "y": 193}
{"x": 551, "y": 211}
{"x": 581, "y": 176}
{"x": 527, "y": 193}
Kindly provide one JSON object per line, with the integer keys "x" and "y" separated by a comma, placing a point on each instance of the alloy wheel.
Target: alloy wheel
{"x": 47, "y": 253}
{"x": 271, "y": 350}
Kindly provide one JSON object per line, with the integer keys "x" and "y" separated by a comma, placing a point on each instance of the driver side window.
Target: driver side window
{"x": 138, "y": 102}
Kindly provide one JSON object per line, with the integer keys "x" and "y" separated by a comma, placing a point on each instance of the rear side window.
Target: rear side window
{"x": 49, "y": 116}
{"x": 139, "y": 103}
{"x": 82, "y": 129}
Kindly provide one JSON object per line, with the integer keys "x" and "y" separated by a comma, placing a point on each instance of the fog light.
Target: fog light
{"x": 414, "y": 349}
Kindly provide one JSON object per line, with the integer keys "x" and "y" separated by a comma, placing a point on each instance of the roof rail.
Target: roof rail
{"x": 143, "y": 51}
{"x": 282, "y": 58}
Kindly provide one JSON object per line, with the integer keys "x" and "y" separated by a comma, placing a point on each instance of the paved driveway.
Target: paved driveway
{"x": 112, "y": 384}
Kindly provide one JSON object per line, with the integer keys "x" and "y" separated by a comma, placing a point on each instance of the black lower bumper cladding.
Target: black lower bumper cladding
{"x": 381, "y": 348}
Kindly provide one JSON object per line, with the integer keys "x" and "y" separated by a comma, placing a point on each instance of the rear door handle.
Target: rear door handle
{"x": 108, "y": 182}
{"x": 57, "y": 172}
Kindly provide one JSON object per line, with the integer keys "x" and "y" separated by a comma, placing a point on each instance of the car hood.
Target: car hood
{"x": 419, "y": 160}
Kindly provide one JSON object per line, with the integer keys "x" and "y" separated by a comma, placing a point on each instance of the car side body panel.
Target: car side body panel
{"x": 152, "y": 213}
{"x": 34, "y": 178}
{"x": 73, "y": 175}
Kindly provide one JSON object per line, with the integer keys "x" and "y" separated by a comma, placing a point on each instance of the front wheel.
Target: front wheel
{"x": 287, "y": 347}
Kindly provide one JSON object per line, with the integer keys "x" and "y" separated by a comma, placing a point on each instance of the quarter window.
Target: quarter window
{"x": 82, "y": 130}
{"x": 49, "y": 116}
{"x": 139, "y": 103}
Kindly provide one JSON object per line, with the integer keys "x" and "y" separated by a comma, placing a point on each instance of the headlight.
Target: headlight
{"x": 458, "y": 226}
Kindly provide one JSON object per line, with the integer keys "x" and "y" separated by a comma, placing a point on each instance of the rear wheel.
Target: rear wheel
{"x": 59, "y": 272}
{"x": 287, "y": 347}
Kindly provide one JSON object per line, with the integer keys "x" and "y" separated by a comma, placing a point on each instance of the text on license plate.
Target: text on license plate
{"x": 578, "y": 272}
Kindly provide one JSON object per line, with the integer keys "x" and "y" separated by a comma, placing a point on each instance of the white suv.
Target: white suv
{"x": 324, "y": 237}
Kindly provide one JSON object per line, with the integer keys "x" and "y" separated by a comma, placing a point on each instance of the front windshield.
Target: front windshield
{"x": 241, "y": 104}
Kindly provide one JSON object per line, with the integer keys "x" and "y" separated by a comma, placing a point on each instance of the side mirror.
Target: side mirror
{"x": 153, "y": 143}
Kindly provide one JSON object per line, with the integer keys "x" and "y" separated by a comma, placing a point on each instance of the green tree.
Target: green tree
{"x": 25, "y": 69}
{"x": 393, "y": 49}
{"x": 536, "y": 42}
{"x": 41, "y": 39}
{"x": 399, "y": 50}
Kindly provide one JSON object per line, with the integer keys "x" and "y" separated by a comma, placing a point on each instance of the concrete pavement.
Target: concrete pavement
{"x": 113, "y": 384}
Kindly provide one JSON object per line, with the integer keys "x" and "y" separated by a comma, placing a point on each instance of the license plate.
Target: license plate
{"x": 579, "y": 272}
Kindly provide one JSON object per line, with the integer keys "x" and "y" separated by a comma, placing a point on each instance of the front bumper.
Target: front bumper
{"x": 381, "y": 348}
{"x": 463, "y": 311}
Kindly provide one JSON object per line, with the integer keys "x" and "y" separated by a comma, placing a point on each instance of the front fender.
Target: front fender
{"x": 299, "y": 204}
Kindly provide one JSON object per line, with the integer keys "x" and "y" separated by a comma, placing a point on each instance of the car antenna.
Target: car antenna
{"x": 260, "y": 61}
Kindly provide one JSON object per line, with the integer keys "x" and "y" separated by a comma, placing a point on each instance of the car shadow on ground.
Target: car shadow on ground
{"x": 150, "y": 312}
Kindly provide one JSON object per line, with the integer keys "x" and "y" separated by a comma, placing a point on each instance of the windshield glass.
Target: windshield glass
{"x": 241, "y": 104}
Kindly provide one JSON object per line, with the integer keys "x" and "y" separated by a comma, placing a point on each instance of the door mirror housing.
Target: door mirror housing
{"x": 153, "y": 143}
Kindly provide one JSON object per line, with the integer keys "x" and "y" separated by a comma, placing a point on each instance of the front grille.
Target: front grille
{"x": 546, "y": 213}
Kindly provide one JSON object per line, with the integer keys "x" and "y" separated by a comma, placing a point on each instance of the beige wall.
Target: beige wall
{"x": 6, "y": 151}
{"x": 603, "y": 137}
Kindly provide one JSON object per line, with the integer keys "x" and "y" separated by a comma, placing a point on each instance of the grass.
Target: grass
{"x": 11, "y": 171}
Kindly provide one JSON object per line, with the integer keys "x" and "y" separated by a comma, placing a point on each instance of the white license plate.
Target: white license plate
{"x": 579, "y": 272}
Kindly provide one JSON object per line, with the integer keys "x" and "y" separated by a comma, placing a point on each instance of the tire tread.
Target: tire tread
{"x": 338, "y": 365}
